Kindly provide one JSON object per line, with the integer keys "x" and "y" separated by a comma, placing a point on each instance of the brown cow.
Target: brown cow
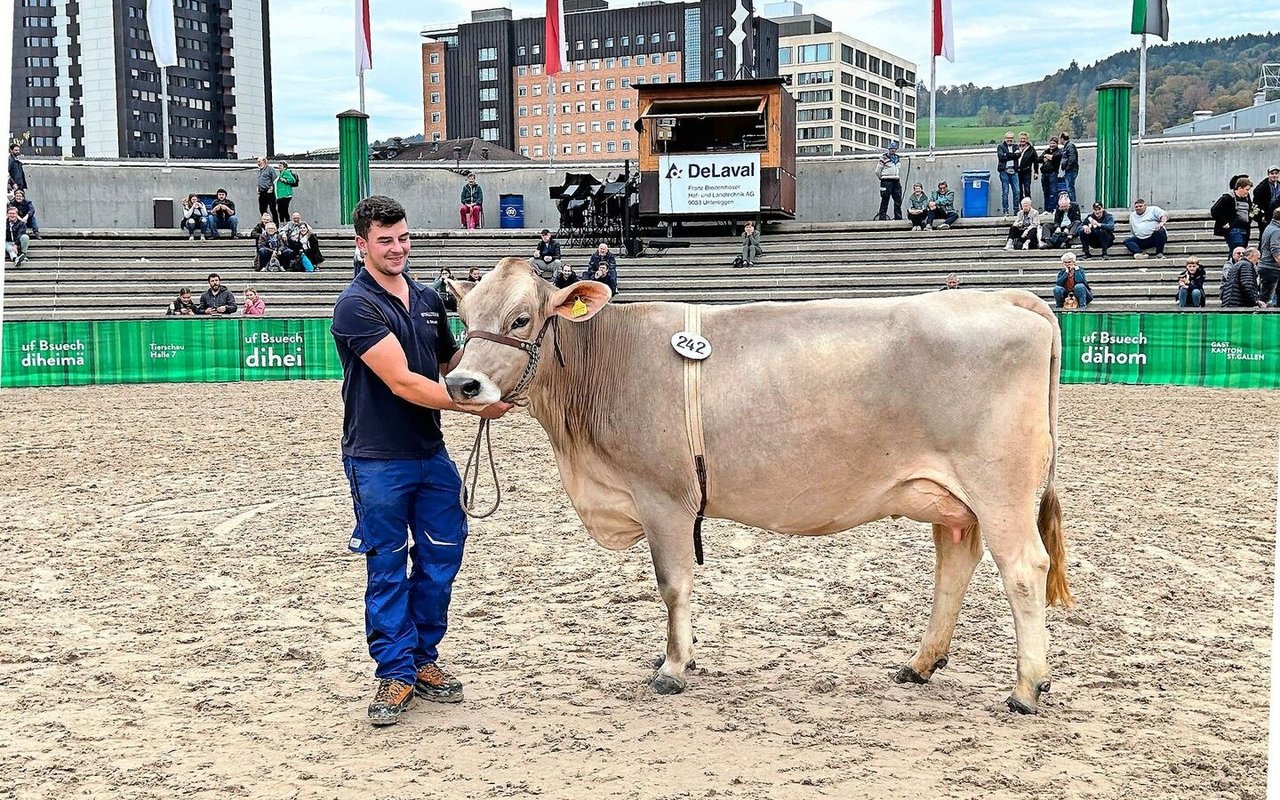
{"x": 941, "y": 408}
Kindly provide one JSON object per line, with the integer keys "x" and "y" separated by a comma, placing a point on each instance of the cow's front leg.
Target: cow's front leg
{"x": 671, "y": 545}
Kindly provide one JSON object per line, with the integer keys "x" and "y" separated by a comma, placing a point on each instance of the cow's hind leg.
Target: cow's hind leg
{"x": 953, "y": 568}
{"x": 671, "y": 545}
{"x": 1023, "y": 563}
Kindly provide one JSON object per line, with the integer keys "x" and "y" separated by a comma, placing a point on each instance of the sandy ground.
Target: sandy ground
{"x": 181, "y": 618}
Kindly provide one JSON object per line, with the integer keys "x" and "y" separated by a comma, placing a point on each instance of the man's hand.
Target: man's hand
{"x": 493, "y": 410}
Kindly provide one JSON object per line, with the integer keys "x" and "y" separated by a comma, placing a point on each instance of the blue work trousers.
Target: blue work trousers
{"x": 411, "y": 528}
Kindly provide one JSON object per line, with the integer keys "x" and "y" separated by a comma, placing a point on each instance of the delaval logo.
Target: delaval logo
{"x": 714, "y": 170}
{"x": 674, "y": 172}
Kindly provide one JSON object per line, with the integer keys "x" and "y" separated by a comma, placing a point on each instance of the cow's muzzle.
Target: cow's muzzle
{"x": 470, "y": 387}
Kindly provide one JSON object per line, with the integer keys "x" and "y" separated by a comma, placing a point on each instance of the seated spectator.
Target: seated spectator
{"x": 263, "y": 222}
{"x": 566, "y": 276}
{"x": 1269, "y": 263}
{"x": 942, "y": 206}
{"x": 26, "y": 212}
{"x": 1071, "y": 284}
{"x": 274, "y": 254}
{"x": 222, "y": 215}
{"x": 918, "y": 207}
{"x": 1240, "y": 285}
{"x": 1024, "y": 233}
{"x": 474, "y": 275}
{"x": 547, "y": 257}
{"x": 182, "y": 306}
{"x": 441, "y": 286}
{"x": 307, "y": 245}
{"x": 1233, "y": 213}
{"x": 1098, "y": 230}
{"x": 1066, "y": 224}
{"x": 471, "y": 210}
{"x": 217, "y": 300}
{"x": 1191, "y": 285}
{"x": 1146, "y": 226}
{"x": 750, "y": 246}
{"x": 952, "y": 282}
{"x": 193, "y": 214}
{"x": 254, "y": 305}
{"x": 16, "y": 238}
{"x": 602, "y": 267}
{"x": 290, "y": 228}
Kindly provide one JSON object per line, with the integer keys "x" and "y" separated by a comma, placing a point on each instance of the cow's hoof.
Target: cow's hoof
{"x": 909, "y": 675}
{"x": 667, "y": 684}
{"x": 1020, "y": 707}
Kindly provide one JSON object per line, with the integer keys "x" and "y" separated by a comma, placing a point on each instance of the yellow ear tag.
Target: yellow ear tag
{"x": 579, "y": 309}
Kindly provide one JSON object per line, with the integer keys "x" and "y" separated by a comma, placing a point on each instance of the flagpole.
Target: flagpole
{"x": 933, "y": 103}
{"x": 361, "y": 76}
{"x": 164, "y": 111}
{"x": 1142, "y": 90}
{"x": 551, "y": 101}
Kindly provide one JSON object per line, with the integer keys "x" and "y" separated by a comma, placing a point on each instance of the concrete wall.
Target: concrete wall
{"x": 1174, "y": 174}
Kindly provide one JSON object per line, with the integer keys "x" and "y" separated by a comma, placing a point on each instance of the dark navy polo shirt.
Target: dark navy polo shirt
{"x": 377, "y": 423}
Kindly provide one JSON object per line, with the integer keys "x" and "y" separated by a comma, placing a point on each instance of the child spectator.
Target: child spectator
{"x": 1191, "y": 285}
{"x": 286, "y": 181}
{"x": 26, "y": 212}
{"x": 16, "y": 239}
{"x": 222, "y": 215}
{"x": 750, "y": 246}
{"x": 254, "y": 305}
{"x": 182, "y": 306}
{"x": 472, "y": 207}
{"x": 918, "y": 207}
{"x": 1024, "y": 233}
{"x": 193, "y": 214}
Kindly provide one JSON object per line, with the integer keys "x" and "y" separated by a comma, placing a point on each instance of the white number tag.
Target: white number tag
{"x": 691, "y": 345}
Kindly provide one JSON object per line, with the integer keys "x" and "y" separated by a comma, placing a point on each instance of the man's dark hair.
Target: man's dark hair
{"x": 221, "y": 191}
{"x": 1065, "y": 135}
{"x": 544, "y": 232}
{"x": 213, "y": 275}
{"x": 378, "y": 208}
{"x": 1097, "y": 205}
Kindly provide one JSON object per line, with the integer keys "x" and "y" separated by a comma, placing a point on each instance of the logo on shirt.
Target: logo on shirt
{"x": 430, "y": 316}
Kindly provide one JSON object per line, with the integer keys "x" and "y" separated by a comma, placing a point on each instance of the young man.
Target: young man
{"x": 393, "y": 339}
{"x": 217, "y": 300}
{"x": 222, "y": 215}
{"x": 26, "y": 212}
{"x": 1070, "y": 165}
{"x": 1098, "y": 230}
{"x": 16, "y": 238}
{"x": 750, "y": 246}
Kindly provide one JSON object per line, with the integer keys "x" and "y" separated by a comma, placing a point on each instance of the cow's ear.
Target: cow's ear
{"x": 579, "y": 302}
{"x": 460, "y": 288}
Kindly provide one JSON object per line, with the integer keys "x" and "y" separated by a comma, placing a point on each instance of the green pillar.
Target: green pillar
{"x": 353, "y": 161}
{"x": 1111, "y": 170}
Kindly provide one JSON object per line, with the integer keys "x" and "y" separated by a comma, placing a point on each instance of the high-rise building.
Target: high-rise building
{"x": 847, "y": 92}
{"x": 86, "y": 84}
{"x": 485, "y": 78}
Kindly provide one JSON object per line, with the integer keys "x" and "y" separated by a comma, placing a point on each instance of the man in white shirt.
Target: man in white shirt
{"x": 1146, "y": 223}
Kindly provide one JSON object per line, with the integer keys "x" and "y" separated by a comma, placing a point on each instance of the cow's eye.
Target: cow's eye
{"x": 522, "y": 321}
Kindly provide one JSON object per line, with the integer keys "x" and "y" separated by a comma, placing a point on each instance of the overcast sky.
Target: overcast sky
{"x": 997, "y": 43}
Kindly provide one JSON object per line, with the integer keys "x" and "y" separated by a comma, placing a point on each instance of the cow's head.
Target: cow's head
{"x": 511, "y": 310}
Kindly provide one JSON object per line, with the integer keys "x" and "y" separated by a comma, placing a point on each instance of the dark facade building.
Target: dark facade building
{"x": 85, "y": 81}
{"x": 485, "y": 78}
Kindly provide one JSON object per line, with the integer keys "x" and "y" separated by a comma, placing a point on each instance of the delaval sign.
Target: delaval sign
{"x": 711, "y": 183}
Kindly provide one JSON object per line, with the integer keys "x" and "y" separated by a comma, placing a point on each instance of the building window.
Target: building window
{"x": 846, "y": 54}
{"x": 626, "y": 61}
{"x": 813, "y": 114}
{"x": 626, "y": 147}
{"x": 819, "y": 132}
{"x": 718, "y": 75}
{"x": 537, "y": 130}
{"x": 784, "y": 55}
{"x": 487, "y": 54}
{"x": 610, "y": 105}
{"x": 608, "y": 41}
{"x": 626, "y": 42}
{"x": 488, "y": 73}
{"x": 655, "y": 39}
{"x": 489, "y": 95}
{"x": 820, "y": 96}
{"x": 810, "y": 78}
{"x": 564, "y": 108}
{"x": 846, "y": 133}
{"x": 488, "y": 115}
{"x": 595, "y": 127}
{"x": 810, "y": 53}
{"x": 522, "y": 91}
{"x": 564, "y": 88}
{"x": 519, "y": 51}
{"x": 582, "y": 127}
{"x": 860, "y": 60}
{"x": 435, "y": 98}
{"x": 435, "y": 77}
{"x": 671, "y": 58}
{"x": 435, "y": 117}
{"x": 612, "y": 147}
{"x": 595, "y": 44}
{"x": 537, "y": 90}
{"x": 522, "y": 71}
{"x": 581, "y": 108}
{"x": 595, "y": 147}
{"x": 435, "y": 136}
{"x": 846, "y": 97}
{"x": 535, "y": 49}
{"x": 524, "y": 131}
{"x": 595, "y": 86}
{"x": 523, "y": 111}
{"x": 524, "y": 151}
{"x": 595, "y": 105}
{"x": 582, "y": 147}
{"x": 537, "y": 152}
{"x": 640, "y": 61}
{"x": 608, "y": 84}
{"x": 719, "y": 54}
{"x": 626, "y": 103}
{"x": 626, "y": 124}
{"x": 566, "y": 129}
{"x": 489, "y": 134}
{"x": 434, "y": 58}
{"x": 718, "y": 31}
{"x": 578, "y": 45}
{"x": 626, "y": 83}
{"x": 671, "y": 36}
{"x": 611, "y": 126}
{"x": 886, "y": 92}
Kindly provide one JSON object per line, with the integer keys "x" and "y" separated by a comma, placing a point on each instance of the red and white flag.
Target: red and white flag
{"x": 944, "y": 40}
{"x": 557, "y": 55}
{"x": 364, "y": 46}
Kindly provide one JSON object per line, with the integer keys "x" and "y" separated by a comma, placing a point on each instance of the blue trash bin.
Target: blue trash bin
{"x": 511, "y": 210}
{"x": 977, "y": 188}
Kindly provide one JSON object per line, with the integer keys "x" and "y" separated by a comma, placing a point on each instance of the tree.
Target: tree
{"x": 1071, "y": 119}
{"x": 988, "y": 117}
{"x": 1043, "y": 118}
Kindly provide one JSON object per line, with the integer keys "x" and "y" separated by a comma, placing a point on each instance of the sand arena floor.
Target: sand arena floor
{"x": 181, "y": 618}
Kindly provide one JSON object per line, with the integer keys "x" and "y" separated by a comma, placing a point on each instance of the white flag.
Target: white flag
{"x": 163, "y": 37}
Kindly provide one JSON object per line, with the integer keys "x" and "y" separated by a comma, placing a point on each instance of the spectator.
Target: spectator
{"x": 182, "y": 306}
{"x": 1050, "y": 163}
{"x": 1098, "y": 230}
{"x": 222, "y": 215}
{"x": 1071, "y": 284}
{"x": 274, "y": 253}
{"x": 290, "y": 228}
{"x": 1240, "y": 287}
{"x": 441, "y": 285}
{"x": 888, "y": 171}
{"x": 750, "y": 246}
{"x": 952, "y": 282}
{"x": 546, "y": 255}
{"x": 602, "y": 267}
{"x": 286, "y": 180}
{"x": 1269, "y": 261}
{"x": 1070, "y": 165}
{"x": 26, "y": 212}
{"x": 566, "y": 276}
{"x": 16, "y": 239}
{"x": 1266, "y": 199}
{"x": 1066, "y": 224}
{"x": 16, "y": 173}
{"x": 1233, "y": 213}
{"x": 261, "y": 226}
{"x": 1235, "y": 256}
{"x": 1007, "y": 165}
{"x": 193, "y": 214}
{"x": 1146, "y": 228}
{"x": 918, "y": 207}
{"x": 1024, "y": 233}
{"x": 1028, "y": 165}
{"x": 254, "y": 305}
{"x": 307, "y": 246}
{"x": 267, "y": 189}
{"x": 472, "y": 209}
{"x": 217, "y": 299}
{"x": 1191, "y": 285}
{"x": 942, "y": 206}
{"x": 474, "y": 275}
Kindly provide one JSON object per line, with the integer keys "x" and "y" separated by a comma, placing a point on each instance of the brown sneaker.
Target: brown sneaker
{"x": 437, "y": 685}
{"x": 391, "y": 700}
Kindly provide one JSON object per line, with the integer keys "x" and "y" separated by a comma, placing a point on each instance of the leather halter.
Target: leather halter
{"x": 533, "y": 348}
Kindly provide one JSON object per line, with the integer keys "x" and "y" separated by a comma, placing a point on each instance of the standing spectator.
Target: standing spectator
{"x": 394, "y": 342}
{"x": 1240, "y": 286}
{"x": 750, "y": 245}
{"x": 183, "y": 305}
{"x": 1269, "y": 261}
{"x": 1066, "y": 224}
{"x": 286, "y": 181}
{"x": 471, "y": 210}
{"x": 1070, "y": 165}
{"x": 942, "y": 206}
{"x": 1235, "y": 256}
{"x": 602, "y": 267}
{"x": 193, "y": 214}
{"x": 1007, "y": 165}
{"x": 273, "y": 250}
{"x": 1233, "y": 213}
{"x": 222, "y": 215}
{"x": 918, "y": 207}
{"x": 16, "y": 239}
{"x": 1191, "y": 285}
{"x": 16, "y": 173}
{"x": 26, "y": 212}
{"x": 1024, "y": 233}
{"x": 1050, "y": 163}
{"x": 1146, "y": 229}
{"x": 254, "y": 305}
{"x": 217, "y": 299}
{"x": 267, "y": 189}
{"x": 566, "y": 276}
{"x": 1071, "y": 283}
{"x": 307, "y": 246}
{"x": 1266, "y": 199}
{"x": 1098, "y": 230}
{"x": 546, "y": 255}
{"x": 888, "y": 170}
{"x": 1028, "y": 165}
